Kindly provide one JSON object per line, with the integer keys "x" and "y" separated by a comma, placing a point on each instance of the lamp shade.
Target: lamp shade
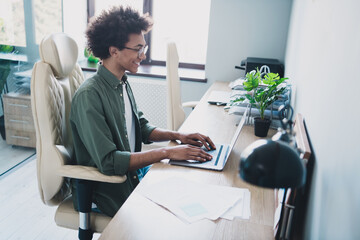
{"x": 272, "y": 164}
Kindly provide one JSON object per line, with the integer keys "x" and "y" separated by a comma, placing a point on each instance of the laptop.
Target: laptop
{"x": 220, "y": 154}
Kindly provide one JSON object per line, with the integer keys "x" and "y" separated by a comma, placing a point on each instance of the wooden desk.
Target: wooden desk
{"x": 140, "y": 218}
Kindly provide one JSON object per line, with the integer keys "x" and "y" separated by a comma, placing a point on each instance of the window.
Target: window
{"x": 47, "y": 17}
{"x": 186, "y": 22}
{"x": 106, "y": 4}
{"x": 12, "y": 23}
{"x": 75, "y": 22}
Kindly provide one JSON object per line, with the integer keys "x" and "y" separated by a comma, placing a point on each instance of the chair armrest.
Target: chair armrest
{"x": 88, "y": 173}
{"x": 191, "y": 104}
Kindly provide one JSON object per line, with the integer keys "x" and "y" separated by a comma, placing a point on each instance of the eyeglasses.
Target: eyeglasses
{"x": 139, "y": 51}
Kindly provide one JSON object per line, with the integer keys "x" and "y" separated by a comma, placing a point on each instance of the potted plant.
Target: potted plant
{"x": 262, "y": 91}
{"x": 90, "y": 57}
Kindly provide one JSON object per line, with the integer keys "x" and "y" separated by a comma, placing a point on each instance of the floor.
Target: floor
{"x": 23, "y": 215}
{"x": 12, "y": 155}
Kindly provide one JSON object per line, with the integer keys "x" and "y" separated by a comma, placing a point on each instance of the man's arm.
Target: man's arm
{"x": 180, "y": 152}
{"x": 189, "y": 149}
{"x": 195, "y": 139}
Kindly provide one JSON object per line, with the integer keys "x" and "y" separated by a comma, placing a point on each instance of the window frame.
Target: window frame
{"x": 147, "y": 8}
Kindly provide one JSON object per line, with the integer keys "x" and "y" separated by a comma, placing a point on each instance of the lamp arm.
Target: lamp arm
{"x": 286, "y": 124}
{"x": 282, "y": 223}
{"x": 286, "y": 120}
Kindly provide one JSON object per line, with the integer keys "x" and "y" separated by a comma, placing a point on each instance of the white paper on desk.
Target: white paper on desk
{"x": 242, "y": 207}
{"x": 192, "y": 201}
{"x": 247, "y": 212}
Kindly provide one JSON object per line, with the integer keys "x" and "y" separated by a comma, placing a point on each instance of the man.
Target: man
{"x": 106, "y": 125}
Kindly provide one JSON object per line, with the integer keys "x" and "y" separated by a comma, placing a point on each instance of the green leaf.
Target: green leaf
{"x": 86, "y": 52}
{"x": 6, "y": 48}
{"x": 252, "y": 80}
{"x": 259, "y": 96}
{"x": 250, "y": 98}
{"x": 239, "y": 99}
{"x": 271, "y": 78}
{"x": 91, "y": 58}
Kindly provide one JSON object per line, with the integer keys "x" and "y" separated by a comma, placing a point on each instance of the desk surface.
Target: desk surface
{"x": 140, "y": 218}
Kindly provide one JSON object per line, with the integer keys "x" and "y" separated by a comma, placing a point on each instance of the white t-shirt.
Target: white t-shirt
{"x": 130, "y": 120}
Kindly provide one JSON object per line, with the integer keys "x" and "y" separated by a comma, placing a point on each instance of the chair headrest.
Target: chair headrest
{"x": 60, "y": 51}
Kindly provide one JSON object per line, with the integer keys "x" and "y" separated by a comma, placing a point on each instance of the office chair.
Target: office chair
{"x": 55, "y": 79}
{"x": 175, "y": 109}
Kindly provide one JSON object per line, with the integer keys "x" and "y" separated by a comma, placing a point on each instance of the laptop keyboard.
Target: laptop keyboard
{"x": 215, "y": 154}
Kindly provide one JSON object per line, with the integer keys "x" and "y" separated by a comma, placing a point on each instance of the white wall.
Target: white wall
{"x": 240, "y": 29}
{"x": 323, "y": 58}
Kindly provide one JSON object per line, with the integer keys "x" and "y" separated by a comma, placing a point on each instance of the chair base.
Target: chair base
{"x": 85, "y": 234}
{"x": 67, "y": 217}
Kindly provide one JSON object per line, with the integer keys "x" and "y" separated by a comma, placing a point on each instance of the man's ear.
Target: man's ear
{"x": 113, "y": 50}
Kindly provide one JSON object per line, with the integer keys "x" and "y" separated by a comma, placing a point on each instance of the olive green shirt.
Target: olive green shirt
{"x": 98, "y": 125}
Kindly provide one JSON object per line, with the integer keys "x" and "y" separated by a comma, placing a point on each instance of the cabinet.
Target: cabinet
{"x": 19, "y": 123}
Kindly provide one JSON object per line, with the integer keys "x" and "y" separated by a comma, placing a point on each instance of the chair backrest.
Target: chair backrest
{"x": 55, "y": 79}
{"x": 175, "y": 111}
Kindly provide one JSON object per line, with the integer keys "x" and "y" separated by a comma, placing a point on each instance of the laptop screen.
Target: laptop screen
{"x": 237, "y": 133}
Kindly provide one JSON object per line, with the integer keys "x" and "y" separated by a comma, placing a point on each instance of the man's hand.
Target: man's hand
{"x": 196, "y": 139}
{"x": 188, "y": 152}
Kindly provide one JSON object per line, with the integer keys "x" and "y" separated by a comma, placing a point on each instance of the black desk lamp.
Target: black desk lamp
{"x": 274, "y": 163}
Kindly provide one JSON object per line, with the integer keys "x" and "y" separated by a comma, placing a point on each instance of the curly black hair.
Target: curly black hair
{"x": 112, "y": 28}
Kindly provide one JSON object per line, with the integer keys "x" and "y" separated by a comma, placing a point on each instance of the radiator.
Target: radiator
{"x": 150, "y": 95}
